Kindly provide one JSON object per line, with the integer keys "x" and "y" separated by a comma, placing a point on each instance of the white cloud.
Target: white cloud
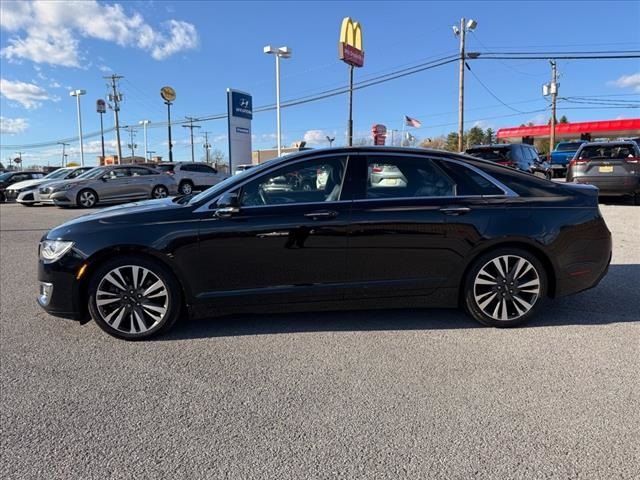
{"x": 28, "y": 95}
{"x": 104, "y": 68}
{"x": 11, "y": 126}
{"x": 49, "y": 32}
{"x": 539, "y": 119}
{"x": 317, "y": 137}
{"x": 628, "y": 81}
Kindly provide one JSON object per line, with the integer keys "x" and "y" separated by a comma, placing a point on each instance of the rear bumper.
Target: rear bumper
{"x": 621, "y": 185}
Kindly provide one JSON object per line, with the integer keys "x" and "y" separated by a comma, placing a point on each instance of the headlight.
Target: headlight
{"x": 53, "y": 250}
{"x": 63, "y": 188}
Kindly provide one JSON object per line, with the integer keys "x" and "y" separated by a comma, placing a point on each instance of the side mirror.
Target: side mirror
{"x": 228, "y": 205}
{"x": 104, "y": 178}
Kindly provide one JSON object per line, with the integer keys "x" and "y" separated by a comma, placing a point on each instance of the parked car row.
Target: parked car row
{"x": 86, "y": 187}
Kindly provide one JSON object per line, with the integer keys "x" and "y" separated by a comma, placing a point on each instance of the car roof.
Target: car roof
{"x": 615, "y": 142}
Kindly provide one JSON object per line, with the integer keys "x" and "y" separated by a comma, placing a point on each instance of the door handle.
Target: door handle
{"x": 455, "y": 210}
{"x": 321, "y": 214}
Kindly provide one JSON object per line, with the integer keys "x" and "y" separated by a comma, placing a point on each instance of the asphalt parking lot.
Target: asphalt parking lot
{"x": 376, "y": 394}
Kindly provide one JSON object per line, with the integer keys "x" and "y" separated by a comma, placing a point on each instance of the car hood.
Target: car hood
{"x": 137, "y": 213}
{"x": 74, "y": 181}
{"x": 29, "y": 184}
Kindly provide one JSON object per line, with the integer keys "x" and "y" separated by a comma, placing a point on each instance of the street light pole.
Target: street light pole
{"x": 168, "y": 104}
{"x": 144, "y": 123}
{"x": 554, "y": 94}
{"x": 284, "y": 52}
{"x": 465, "y": 26}
{"x": 64, "y": 155}
{"x": 77, "y": 94}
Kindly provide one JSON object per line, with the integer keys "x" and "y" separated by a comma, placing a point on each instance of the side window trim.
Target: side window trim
{"x": 507, "y": 191}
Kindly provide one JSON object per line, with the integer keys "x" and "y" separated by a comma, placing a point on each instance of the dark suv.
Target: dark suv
{"x": 516, "y": 155}
{"x": 613, "y": 167}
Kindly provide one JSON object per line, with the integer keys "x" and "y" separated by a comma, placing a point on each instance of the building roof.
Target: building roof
{"x": 602, "y": 128}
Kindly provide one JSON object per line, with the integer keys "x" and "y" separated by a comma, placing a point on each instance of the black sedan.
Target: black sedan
{"x": 460, "y": 231}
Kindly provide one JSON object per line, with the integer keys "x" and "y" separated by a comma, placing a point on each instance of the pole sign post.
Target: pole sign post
{"x": 239, "y": 115}
{"x": 350, "y": 49}
{"x": 101, "y": 106}
{"x": 379, "y": 133}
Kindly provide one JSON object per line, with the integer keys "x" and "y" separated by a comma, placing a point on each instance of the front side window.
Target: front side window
{"x": 310, "y": 181}
{"x": 403, "y": 177}
{"x": 118, "y": 173}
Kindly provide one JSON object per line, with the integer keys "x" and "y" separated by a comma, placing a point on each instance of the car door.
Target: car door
{"x": 286, "y": 244}
{"x": 405, "y": 240}
{"x": 115, "y": 185}
{"x": 207, "y": 176}
{"x": 142, "y": 182}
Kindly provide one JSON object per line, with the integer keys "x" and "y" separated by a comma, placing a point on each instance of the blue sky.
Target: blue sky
{"x": 201, "y": 48}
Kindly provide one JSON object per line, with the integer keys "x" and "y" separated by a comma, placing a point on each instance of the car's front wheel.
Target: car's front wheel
{"x": 505, "y": 287}
{"x": 134, "y": 297}
{"x": 186, "y": 188}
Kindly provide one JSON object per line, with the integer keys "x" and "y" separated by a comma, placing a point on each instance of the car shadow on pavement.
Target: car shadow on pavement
{"x": 614, "y": 300}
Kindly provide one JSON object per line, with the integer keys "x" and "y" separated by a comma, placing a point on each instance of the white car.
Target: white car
{"x": 191, "y": 176}
{"x": 27, "y": 192}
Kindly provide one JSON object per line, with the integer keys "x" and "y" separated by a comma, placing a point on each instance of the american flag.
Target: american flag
{"x": 412, "y": 122}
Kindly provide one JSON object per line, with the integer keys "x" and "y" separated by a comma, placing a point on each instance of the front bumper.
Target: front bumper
{"x": 59, "y": 292}
{"x": 28, "y": 196}
{"x": 62, "y": 198}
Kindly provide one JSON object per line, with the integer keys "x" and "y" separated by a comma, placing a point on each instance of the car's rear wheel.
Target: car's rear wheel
{"x": 159, "y": 191}
{"x": 134, "y": 298}
{"x": 505, "y": 287}
{"x": 186, "y": 187}
{"x": 87, "y": 198}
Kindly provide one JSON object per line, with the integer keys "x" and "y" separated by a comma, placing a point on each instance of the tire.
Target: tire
{"x": 86, "y": 198}
{"x": 159, "y": 191}
{"x": 125, "y": 315}
{"x": 186, "y": 187}
{"x": 636, "y": 199}
{"x": 489, "y": 279}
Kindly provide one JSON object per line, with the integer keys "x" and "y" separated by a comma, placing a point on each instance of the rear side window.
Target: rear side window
{"x": 404, "y": 177}
{"x": 494, "y": 154}
{"x": 468, "y": 181}
{"x": 136, "y": 171}
{"x": 604, "y": 152}
{"x": 523, "y": 184}
{"x": 189, "y": 168}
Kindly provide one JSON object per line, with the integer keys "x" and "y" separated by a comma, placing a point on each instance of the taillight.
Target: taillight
{"x": 577, "y": 161}
{"x": 377, "y": 169}
{"x": 170, "y": 172}
{"x": 632, "y": 159}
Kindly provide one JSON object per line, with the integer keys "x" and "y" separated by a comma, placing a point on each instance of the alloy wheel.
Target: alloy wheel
{"x": 160, "y": 192}
{"x": 87, "y": 199}
{"x": 507, "y": 287}
{"x": 132, "y": 299}
{"x": 186, "y": 188}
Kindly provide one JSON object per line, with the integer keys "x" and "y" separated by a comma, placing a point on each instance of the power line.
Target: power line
{"x": 490, "y": 92}
{"x": 594, "y": 55}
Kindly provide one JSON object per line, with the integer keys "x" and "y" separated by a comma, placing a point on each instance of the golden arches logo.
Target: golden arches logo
{"x": 350, "y": 49}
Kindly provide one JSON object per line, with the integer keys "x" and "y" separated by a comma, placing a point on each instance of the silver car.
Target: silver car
{"x": 26, "y": 193}
{"x": 111, "y": 184}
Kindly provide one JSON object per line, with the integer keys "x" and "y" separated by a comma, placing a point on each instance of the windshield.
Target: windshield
{"x": 93, "y": 173}
{"x": 165, "y": 168}
{"x": 220, "y": 187}
{"x": 568, "y": 147}
{"x": 4, "y": 176}
{"x": 60, "y": 173}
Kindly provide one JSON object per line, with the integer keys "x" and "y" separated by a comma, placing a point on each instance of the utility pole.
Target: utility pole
{"x": 465, "y": 26}
{"x": 553, "y": 89}
{"x": 64, "y": 155}
{"x": 132, "y": 145}
{"x": 207, "y": 145}
{"x": 116, "y": 98}
{"x": 191, "y": 126}
{"x": 461, "y": 88}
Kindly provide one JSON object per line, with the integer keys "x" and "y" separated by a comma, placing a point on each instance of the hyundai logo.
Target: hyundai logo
{"x": 244, "y": 103}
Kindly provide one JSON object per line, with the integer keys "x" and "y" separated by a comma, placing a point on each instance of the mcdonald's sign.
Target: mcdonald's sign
{"x": 350, "y": 48}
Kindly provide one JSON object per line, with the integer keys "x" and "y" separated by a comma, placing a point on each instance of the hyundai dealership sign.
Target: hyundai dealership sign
{"x": 240, "y": 113}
